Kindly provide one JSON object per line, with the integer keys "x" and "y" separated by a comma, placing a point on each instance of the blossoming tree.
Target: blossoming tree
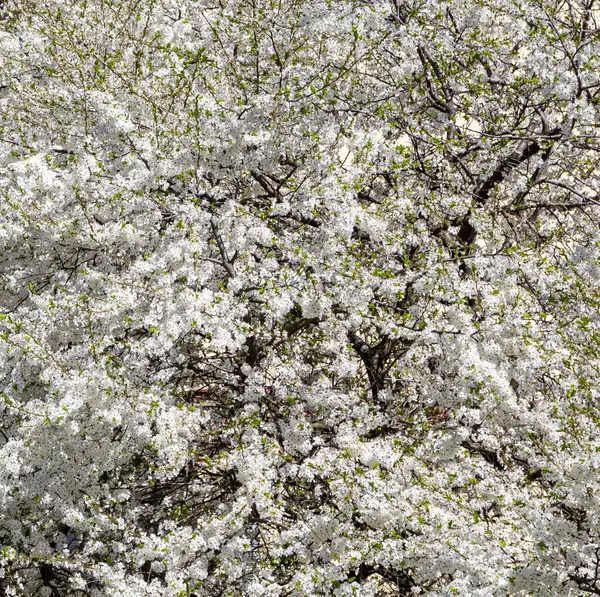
{"x": 299, "y": 298}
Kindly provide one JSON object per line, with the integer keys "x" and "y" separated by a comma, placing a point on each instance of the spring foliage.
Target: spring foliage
{"x": 299, "y": 298}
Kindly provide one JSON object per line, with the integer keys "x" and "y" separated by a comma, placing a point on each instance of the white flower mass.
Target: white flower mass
{"x": 299, "y": 298}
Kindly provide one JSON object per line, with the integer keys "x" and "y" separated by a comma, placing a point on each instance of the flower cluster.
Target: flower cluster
{"x": 299, "y": 298}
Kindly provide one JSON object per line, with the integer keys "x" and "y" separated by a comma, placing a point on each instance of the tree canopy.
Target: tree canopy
{"x": 299, "y": 298}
